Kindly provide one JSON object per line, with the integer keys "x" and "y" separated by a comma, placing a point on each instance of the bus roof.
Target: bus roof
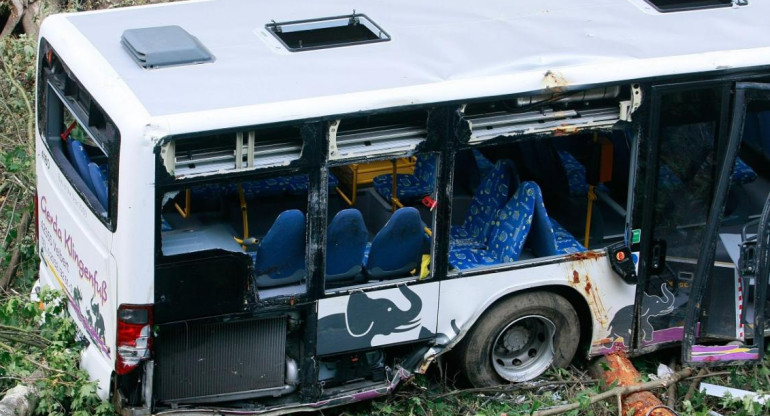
{"x": 444, "y": 50}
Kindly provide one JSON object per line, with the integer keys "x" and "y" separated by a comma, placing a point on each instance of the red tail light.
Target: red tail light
{"x": 134, "y": 337}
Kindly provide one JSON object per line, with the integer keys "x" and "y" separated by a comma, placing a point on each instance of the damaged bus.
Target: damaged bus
{"x": 274, "y": 207}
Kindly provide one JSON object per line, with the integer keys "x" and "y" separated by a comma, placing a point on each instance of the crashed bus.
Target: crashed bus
{"x": 274, "y": 207}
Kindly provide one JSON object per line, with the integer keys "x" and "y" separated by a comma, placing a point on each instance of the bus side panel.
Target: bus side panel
{"x": 75, "y": 257}
{"x": 463, "y": 300}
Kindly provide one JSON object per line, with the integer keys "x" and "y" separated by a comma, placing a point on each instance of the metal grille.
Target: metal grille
{"x": 208, "y": 362}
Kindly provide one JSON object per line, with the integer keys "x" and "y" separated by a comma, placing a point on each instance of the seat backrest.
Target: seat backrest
{"x": 513, "y": 223}
{"x": 345, "y": 245}
{"x": 489, "y": 197}
{"x": 397, "y": 247}
{"x": 281, "y": 254}
{"x": 541, "y": 237}
{"x": 425, "y": 169}
{"x": 80, "y": 159}
{"x": 100, "y": 183}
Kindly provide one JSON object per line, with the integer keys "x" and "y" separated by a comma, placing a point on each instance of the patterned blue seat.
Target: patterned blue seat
{"x": 576, "y": 174}
{"x": 280, "y": 257}
{"x": 565, "y": 242}
{"x": 523, "y": 220}
{"x": 510, "y": 231}
{"x": 397, "y": 247}
{"x": 743, "y": 173}
{"x": 293, "y": 185}
{"x": 489, "y": 197}
{"x": 410, "y": 187}
{"x": 100, "y": 183}
{"x": 482, "y": 162}
{"x": 345, "y": 244}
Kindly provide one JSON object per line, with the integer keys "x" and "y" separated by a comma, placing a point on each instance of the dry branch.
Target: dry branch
{"x": 21, "y": 230}
{"x": 619, "y": 391}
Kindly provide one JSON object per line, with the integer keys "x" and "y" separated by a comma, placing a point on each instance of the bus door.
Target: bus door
{"x": 690, "y": 291}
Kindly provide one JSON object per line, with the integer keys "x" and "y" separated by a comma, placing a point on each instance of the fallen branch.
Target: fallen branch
{"x": 701, "y": 374}
{"x": 505, "y": 388}
{"x": 21, "y": 229}
{"x": 619, "y": 391}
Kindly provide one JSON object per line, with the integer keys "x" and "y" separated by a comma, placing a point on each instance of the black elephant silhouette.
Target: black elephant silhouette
{"x": 366, "y": 317}
{"x": 652, "y": 306}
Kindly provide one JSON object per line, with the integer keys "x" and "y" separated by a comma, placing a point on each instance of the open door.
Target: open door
{"x": 690, "y": 290}
{"x": 752, "y": 269}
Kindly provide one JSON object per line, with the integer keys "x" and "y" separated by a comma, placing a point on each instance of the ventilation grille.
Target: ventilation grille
{"x": 242, "y": 151}
{"x": 162, "y": 46}
{"x": 219, "y": 362}
{"x": 488, "y": 126}
{"x": 392, "y": 140}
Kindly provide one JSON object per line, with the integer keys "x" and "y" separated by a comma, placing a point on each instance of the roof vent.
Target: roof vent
{"x": 684, "y": 5}
{"x": 327, "y": 32}
{"x": 162, "y": 46}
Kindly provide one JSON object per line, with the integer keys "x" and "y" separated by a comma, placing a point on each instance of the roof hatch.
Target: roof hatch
{"x": 683, "y": 5}
{"x": 161, "y": 46}
{"x": 327, "y": 32}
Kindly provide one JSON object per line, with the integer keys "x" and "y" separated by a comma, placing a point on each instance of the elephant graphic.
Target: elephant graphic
{"x": 365, "y": 318}
{"x": 620, "y": 327}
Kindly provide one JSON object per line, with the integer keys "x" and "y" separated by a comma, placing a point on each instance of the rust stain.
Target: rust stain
{"x": 555, "y": 81}
{"x": 565, "y": 130}
{"x": 585, "y": 255}
{"x": 596, "y": 300}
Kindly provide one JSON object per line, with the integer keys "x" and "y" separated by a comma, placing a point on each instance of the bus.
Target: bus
{"x": 270, "y": 207}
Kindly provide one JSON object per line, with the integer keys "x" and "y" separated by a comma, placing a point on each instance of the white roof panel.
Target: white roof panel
{"x": 434, "y": 44}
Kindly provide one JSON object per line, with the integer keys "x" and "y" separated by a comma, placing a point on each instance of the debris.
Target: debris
{"x": 721, "y": 391}
{"x": 626, "y": 391}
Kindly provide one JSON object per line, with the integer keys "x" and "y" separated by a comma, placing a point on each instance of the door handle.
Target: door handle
{"x": 658, "y": 256}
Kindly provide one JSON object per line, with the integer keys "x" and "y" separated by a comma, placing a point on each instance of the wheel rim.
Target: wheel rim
{"x": 524, "y": 348}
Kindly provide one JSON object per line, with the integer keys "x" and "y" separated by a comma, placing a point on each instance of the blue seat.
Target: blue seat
{"x": 743, "y": 173}
{"x": 397, "y": 247}
{"x": 100, "y": 183}
{"x": 80, "y": 159}
{"x": 410, "y": 187}
{"x": 260, "y": 188}
{"x": 280, "y": 258}
{"x": 576, "y": 174}
{"x": 565, "y": 242}
{"x": 482, "y": 162}
{"x": 523, "y": 220}
{"x": 345, "y": 244}
{"x": 510, "y": 231}
{"x": 489, "y": 197}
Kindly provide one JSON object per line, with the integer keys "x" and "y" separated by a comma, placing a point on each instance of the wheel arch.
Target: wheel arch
{"x": 578, "y": 302}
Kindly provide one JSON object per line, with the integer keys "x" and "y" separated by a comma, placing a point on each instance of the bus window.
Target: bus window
{"x": 83, "y": 141}
{"x": 374, "y": 234}
{"x": 264, "y": 218}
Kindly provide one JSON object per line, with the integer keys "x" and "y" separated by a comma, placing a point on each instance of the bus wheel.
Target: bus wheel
{"x": 519, "y": 338}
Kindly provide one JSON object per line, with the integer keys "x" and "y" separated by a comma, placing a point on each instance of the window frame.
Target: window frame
{"x": 53, "y": 101}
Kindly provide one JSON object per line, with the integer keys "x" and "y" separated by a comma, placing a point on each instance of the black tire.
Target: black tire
{"x": 520, "y": 322}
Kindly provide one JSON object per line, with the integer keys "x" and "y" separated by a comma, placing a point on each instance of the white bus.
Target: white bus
{"x": 263, "y": 207}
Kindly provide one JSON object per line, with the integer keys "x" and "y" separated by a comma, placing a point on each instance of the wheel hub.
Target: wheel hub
{"x": 516, "y": 338}
{"x": 524, "y": 348}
